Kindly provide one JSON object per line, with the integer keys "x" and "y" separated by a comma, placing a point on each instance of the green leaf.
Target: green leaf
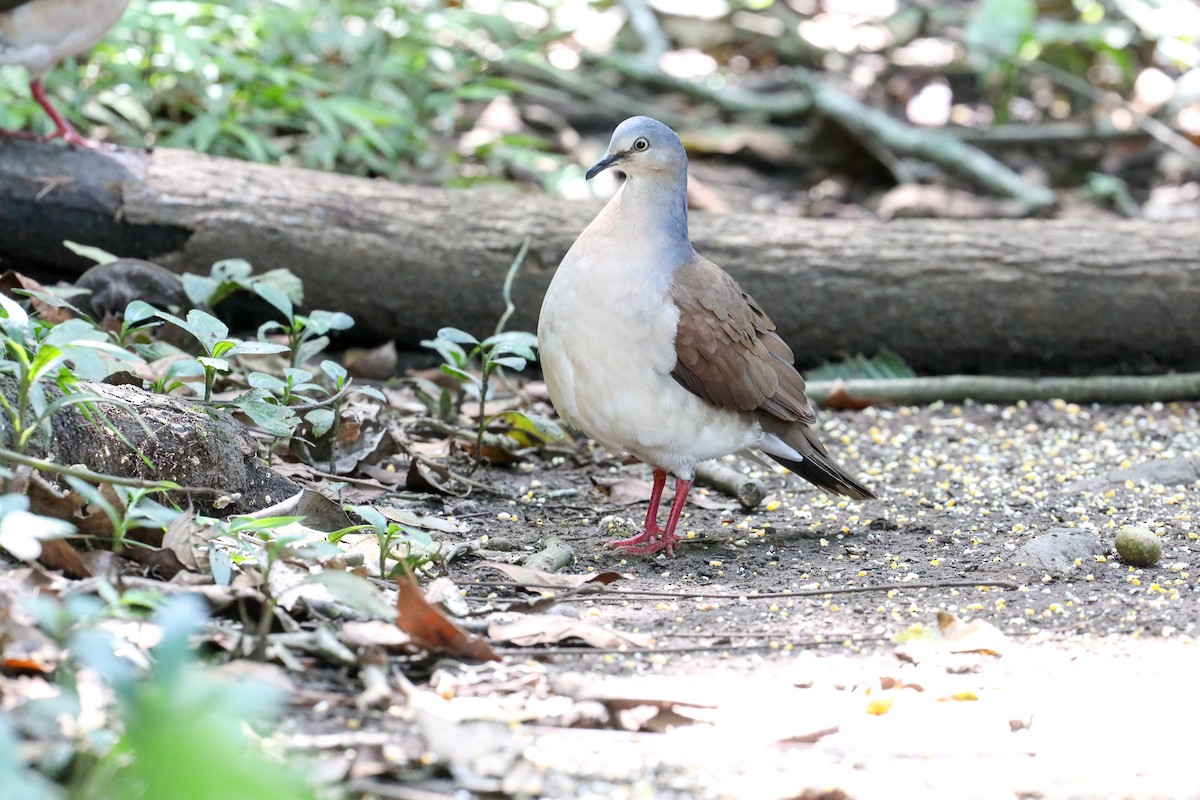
{"x": 326, "y": 321}
{"x": 138, "y": 311}
{"x": 997, "y": 29}
{"x": 268, "y": 383}
{"x": 457, "y": 336}
{"x": 371, "y": 516}
{"x": 321, "y": 420}
{"x": 371, "y": 392}
{"x": 218, "y": 364}
{"x": 450, "y": 352}
{"x": 547, "y": 430}
{"x": 356, "y": 592}
{"x": 885, "y": 364}
{"x": 521, "y": 339}
{"x": 277, "y": 298}
{"x": 511, "y": 362}
{"x": 207, "y": 329}
{"x": 91, "y": 253}
{"x": 273, "y": 418}
{"x": 252, "y": 348}
{"x": 310, "y": 349}
{"x": 462, "y": 375}
{"x": 335, "y": 372}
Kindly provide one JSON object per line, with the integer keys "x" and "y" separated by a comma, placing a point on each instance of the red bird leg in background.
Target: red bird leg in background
{"x": 62, "y": 128}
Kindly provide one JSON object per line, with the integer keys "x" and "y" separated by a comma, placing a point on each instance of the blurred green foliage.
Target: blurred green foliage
{"x": 354, "y": 85}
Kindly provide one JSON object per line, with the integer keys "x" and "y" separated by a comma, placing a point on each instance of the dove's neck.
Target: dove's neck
{"x": 650, "y": 211}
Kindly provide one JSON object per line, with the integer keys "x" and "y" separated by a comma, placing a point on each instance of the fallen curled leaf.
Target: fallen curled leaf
{"x": 967, "y": 696}
{"x": 426, "y": 477}
{"x": 12, "y": 280}
{"x": 431, "y": 629}
{"x": 975, "y": 636}
{"x": 838, "y": 397}
{"x": 537, "y": 578}
{"x": 188, "y": 540}
{"x": 376, "y": 364}
{"x": 526, "y": 631}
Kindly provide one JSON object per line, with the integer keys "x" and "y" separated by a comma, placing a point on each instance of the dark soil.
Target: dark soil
{"x": 826, "y": 694}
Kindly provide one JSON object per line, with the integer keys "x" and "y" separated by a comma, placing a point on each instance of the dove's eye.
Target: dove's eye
{"x": 641, "y": 144}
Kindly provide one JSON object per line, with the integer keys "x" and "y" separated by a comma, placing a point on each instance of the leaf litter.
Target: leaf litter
{"x": 739, "y": 670}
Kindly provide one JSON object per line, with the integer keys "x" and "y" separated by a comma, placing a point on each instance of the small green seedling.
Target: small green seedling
{"x": 219, "y": 346}
{"x": 36, "y": 354}
{"x": 420, "y": 549}
{"x": 507, "y": 350}
{"x": 306, "y": 333}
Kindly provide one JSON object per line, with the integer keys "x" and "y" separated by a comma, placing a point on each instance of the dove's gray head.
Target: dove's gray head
{"x": 643, "y": 146}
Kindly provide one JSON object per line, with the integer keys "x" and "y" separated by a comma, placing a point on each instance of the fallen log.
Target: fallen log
{"x": 1065, "y": 296}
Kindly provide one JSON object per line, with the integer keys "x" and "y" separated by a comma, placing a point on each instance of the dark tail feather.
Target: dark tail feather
{"x": 818, "y": 469}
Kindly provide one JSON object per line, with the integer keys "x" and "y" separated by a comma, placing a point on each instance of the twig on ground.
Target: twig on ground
{"x": 995, "y": 389}
{"x": 79, "y": 471}
{"x": 594, "y": 589}
{"x": 748, "y": 491}
{"x": 775, "y": 644}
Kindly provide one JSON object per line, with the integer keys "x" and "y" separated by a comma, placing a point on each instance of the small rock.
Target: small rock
{"x": 1055, "y": 551}
{"x": 1165, "y": 471}
{"x": 1137, "y": 545}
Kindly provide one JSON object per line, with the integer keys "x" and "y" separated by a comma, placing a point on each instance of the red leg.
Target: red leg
{"x": 62, "y": 128}
{"x": 650, "y": 531}
{"x": 651, "y": 541}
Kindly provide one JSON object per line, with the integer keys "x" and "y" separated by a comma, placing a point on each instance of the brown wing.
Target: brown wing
{"x": 726, "y": 348}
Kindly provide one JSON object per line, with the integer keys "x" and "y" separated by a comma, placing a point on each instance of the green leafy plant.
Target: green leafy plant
{"x": 134, "y": 508}
{"x": 506, "y": 350}
{"x": 233, "y": 275}
{"x": 419, "y": 547}
{"x": 219, "y": 346}
{"x": 306, "y": 333}
{"x": 178, "y": 721}
{"x": 35, "y": 356}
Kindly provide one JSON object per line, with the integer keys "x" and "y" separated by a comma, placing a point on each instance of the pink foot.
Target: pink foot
{"x": 646, "y": 543}
{"x": 654, "y": 539}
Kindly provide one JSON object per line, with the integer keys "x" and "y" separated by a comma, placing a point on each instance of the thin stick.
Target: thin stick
{"x": 588, "y": 588}
{"x": 997, "y": 389}
{"x": 99, "y": 477}
{"x": 506, "y": 292}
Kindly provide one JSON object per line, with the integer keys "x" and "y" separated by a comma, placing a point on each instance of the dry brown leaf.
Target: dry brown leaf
{"x": 61, "y": 555}
{"x": 536, "y": 578}
{"x": 975, "y": 636}
{"x": 431, "y": 629}
{"x": 838, "y": 397}
{"x": 373, "y": 633}
{"x": 12, "y": 279}
{"x": 426, "y": 477}
{"x": 526, "y": 631}
{"x": 376, "y": 364}
{"x": 162, "y": 562}
{"x": 188, "y": 540}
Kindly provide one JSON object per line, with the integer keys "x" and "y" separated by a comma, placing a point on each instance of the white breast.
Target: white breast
{"x": 607, "y": 347}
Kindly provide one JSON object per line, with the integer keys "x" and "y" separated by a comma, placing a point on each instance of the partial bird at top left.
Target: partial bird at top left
{"x": 37, "y": 34}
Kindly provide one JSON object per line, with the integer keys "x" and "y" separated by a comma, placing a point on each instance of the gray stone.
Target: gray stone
{"x": 1167, "y": 471}
{"x": 1055, "y": 551}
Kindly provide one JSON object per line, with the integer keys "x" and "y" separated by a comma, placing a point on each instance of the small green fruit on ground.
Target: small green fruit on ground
{"x": 1137, "y": 545}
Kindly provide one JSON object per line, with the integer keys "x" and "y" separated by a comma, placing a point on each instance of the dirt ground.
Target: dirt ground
{"x": 1056, "y": 672}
